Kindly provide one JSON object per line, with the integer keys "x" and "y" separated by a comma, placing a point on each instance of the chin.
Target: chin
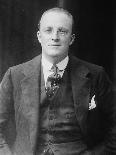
{"x": 55, "y": 53}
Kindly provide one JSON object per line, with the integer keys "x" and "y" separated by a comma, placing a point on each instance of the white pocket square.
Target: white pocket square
{"x": 92, "y": 104}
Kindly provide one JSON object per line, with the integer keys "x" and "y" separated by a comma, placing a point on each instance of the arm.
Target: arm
{"x": 105, "y": 99}
{"x": 6, "y": 103}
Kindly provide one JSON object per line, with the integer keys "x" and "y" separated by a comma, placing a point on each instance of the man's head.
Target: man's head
{"x": 55, "y": 33}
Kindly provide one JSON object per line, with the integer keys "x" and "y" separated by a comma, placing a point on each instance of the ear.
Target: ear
{"x": 39, "y": 36}
{"x": 72, "y": 39}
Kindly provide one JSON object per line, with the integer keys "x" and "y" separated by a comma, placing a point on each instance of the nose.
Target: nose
{"x": 55, "y": 36}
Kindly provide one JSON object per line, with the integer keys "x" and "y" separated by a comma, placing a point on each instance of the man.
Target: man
{"x": 56, "y": 104}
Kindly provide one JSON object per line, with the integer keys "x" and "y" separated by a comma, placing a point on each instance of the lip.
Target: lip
{"x": 54, "y": 45}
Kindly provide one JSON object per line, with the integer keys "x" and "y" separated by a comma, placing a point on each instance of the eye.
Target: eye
{"x": 62, "y": 31}
{"x": 48, "y": 30}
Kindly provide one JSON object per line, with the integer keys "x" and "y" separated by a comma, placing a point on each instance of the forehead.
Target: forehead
{"x": 56, "y": 18}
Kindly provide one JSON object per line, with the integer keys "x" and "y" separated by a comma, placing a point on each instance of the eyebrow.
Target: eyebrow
{"x": 64, "y": 28}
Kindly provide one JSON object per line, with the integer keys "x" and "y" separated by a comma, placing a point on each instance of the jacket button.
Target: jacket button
{"x": 52, "y": 116}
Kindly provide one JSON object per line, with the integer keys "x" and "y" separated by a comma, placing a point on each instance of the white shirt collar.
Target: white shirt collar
{"x": 48, "y": 65}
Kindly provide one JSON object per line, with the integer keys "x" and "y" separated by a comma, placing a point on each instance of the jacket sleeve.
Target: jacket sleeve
{"x": 6, "y": 103}
{"x": 105, "y": 96}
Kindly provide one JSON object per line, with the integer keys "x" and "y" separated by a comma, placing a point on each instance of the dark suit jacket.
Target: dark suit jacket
{"x": 19, "y": 107}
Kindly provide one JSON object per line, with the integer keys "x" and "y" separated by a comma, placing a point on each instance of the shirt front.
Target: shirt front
{"x": 48, "y": 65}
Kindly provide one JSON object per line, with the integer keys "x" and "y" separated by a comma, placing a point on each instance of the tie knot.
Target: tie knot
{"x": 55, "y": 69}
{"x": 55, "y": 77}
{"x": 53, "y": 81}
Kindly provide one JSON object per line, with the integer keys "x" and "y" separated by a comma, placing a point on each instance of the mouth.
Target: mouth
{"x": 54, "y": 45}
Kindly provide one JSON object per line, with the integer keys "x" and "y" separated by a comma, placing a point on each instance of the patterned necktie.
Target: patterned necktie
{"x": 53, "y": 82}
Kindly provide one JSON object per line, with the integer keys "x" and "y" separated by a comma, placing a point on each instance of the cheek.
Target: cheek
{"x": 44, "y": 42}
{"x": 44, "y": 38}
{"x": 66, "y": 42}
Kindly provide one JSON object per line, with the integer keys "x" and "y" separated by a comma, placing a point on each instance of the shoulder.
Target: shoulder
{"x": 20, "y": 70}
{"x": 93, "y": 71}
{"x": 93, "y": 68}
{"x": 26, "y": 65}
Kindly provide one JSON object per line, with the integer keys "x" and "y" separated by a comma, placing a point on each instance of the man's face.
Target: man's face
{"x": 55, "y": 34}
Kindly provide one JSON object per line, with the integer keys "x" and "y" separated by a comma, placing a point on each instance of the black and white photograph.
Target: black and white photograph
{"x": 57, "y": 77}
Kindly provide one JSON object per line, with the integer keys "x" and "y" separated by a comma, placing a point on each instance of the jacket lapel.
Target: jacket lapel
{"x": 81, "y": 90}
{"x": 30, "y": 91}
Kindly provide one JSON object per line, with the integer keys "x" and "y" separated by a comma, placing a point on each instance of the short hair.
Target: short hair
{"x": 61, "y": 10}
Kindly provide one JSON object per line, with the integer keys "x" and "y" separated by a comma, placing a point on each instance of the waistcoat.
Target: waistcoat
{"x": 58, "y": 126}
